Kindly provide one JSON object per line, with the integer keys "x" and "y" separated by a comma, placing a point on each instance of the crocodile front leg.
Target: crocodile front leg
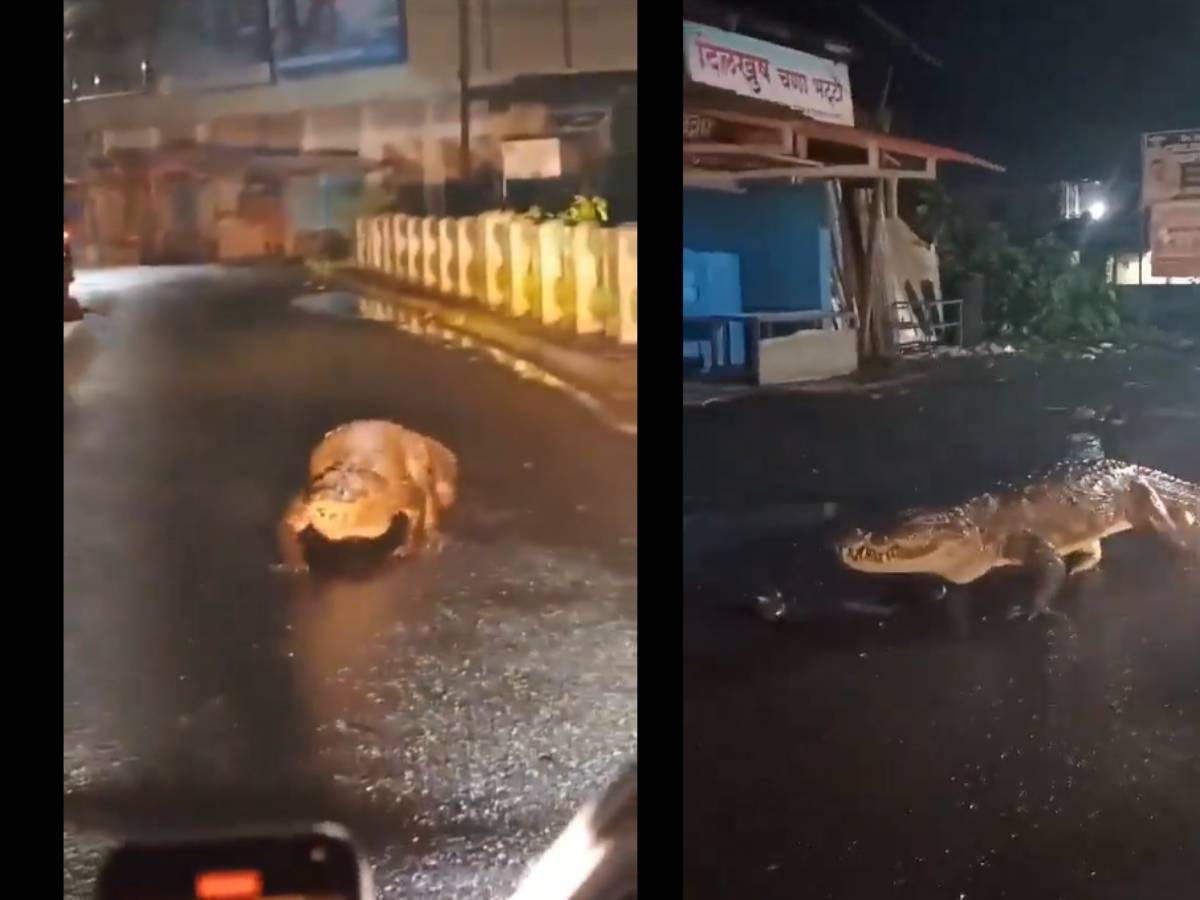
{"x": 411, "y": 503}
{"x": 1038, "y": 556}
{"x": 291, "y": 551}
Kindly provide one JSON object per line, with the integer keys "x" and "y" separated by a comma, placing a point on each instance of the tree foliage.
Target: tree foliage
{"x": 1034, "y": 288}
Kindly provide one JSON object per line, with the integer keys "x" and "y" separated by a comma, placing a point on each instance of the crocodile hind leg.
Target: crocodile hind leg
{"x": 1049, "y": 571}
{"x": 1086, "y": 559}
{"x": 431, "y": 534}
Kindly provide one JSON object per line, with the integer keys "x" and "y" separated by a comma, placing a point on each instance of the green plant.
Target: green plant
{"x": 587, "y": 209}
{"x": 1079, "y": 303}
{"x": 582, "y": 209}
{"x": 1034, "y": 288}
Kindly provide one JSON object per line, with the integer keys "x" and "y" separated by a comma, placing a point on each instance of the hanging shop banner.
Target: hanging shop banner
{"x": 532, "y": 159}
{"x": 813, "y": 85}
{"x": 1170, "y": 166}
{"x": 211, "y": 44}
{"x": 1175, "y": 239}
{"x": 316, "y": 37}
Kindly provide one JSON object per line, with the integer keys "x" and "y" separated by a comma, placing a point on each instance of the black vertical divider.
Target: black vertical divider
{"x": 660, "y": 110}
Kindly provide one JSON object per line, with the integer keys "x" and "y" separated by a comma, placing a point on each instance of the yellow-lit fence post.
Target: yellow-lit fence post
{"x": 626, "y": 283}
{"x": 605, "y": 303}
{"x": 361, "y": 242}
{"x": 524, "y": 294}
{"x": 385, "y": 244}
{"x": 445, "y": 256}
{"x": 412, "y": 249}
{"x": 466, "y": 242}
{"x": 551, "y": 240}
{"x": 495, "y": 258}
{"x": 376, "y": 261}
{"x": 586, "y": 259}
{"x": 429, "y": 248}
{"x": 396, "y": 257}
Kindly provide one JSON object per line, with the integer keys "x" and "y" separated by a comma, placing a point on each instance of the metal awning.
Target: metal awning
{"x": 731, "y": 140}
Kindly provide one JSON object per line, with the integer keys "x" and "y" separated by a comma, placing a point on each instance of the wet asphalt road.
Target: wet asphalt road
{"x": 852, "y": 755}
{"x": 453, "y": 712}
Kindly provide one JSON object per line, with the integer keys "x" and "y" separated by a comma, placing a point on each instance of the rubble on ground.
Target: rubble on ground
{"x": 1084, "y": 351}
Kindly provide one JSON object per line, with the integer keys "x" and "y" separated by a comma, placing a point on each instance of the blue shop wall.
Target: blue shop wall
{"x": 780, "y": 235}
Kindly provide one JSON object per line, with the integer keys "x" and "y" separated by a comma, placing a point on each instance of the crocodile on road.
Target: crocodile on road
{"x": 1054, "y": 527}
{"x": 364, "y": 475}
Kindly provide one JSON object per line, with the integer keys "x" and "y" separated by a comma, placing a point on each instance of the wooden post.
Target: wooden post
{"x": 862, "y": 215}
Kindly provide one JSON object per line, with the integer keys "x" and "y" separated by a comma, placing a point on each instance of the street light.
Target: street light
{"x": 1097, "y": 209}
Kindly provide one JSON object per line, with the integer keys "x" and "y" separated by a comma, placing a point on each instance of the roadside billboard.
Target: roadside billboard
{"x": 211, "y": 44}
{"x": 817, "y": 87}
{"x": 316, "y": 37}
{"x": 1170, "y": 166}
{"x": 1175, "y": 239}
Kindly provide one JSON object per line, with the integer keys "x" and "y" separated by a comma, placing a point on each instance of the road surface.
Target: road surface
{"x": 849, "y": 753}
{"x": 452, "y": 712}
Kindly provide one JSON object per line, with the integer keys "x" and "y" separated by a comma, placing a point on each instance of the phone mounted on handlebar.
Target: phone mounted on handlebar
{"x": 314, "y": 863}
{"x": 594, "y": 858}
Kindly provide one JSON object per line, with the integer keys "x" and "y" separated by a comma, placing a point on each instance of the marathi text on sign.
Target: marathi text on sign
{"x": 697, "y": 128}
{"x": 1170, "y": 166}
{"x": 817, "y": 87}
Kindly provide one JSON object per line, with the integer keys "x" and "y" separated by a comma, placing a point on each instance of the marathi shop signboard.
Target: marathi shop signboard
{"x": 1170, "y": 166}
{"x": 817, "y": 87}
{"x": 1175, "y": 239}
{"x": 316, "y": 37}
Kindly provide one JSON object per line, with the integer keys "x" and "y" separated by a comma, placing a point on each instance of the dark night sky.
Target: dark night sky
{"x": 1046, "y": 87}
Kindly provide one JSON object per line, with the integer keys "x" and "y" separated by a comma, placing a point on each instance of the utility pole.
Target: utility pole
{"x": 464, "y": 89}
{"x": 568, "y": 52}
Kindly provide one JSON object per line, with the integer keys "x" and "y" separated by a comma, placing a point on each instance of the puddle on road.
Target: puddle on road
{"x": 333, "y": 303}
{"x": 425, "y": 326}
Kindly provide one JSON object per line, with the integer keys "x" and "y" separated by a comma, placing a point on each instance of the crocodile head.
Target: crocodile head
{"x": 928, "y": 543}
{"x": 353, "y": 503}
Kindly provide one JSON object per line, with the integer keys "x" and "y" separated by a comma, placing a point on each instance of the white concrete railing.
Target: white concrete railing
{"x": 579, "y": 278}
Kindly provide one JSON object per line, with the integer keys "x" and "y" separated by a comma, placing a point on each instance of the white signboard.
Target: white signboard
{"x": 817, "y": 87}
{"x": 1175, "y": 239}
{"x": 1170, "y": 166}
{"x": 534, "y": 158}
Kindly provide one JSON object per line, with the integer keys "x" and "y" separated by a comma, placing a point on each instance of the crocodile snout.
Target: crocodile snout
{"x": 854, "y": 544}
